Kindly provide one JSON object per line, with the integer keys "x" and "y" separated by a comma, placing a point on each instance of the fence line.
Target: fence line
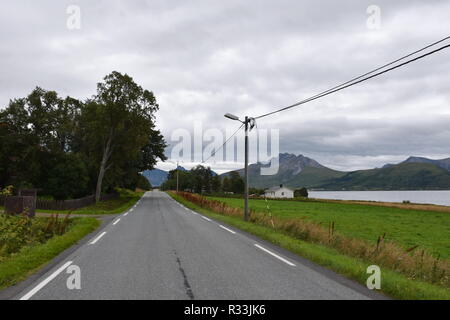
{"x": 71, "y": 204}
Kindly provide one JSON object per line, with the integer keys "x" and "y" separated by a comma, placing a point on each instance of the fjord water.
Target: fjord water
{"x": 440, "y": 197}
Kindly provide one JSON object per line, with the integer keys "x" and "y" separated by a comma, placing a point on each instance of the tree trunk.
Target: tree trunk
{"x": 106, "y": 155}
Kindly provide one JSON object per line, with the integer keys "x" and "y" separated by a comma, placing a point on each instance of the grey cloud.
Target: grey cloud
{"x": 204, "y": 58}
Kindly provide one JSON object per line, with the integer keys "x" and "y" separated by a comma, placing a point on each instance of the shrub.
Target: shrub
{"x": 7, "y": 191}
{"x": 19, "y": 231}
{"x": 302, "y": 192}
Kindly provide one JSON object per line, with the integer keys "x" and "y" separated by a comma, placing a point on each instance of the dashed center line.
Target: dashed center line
{"x": 225, "y": 228}
{"x": 275, "y": 255}
{"x": 44, "y": 282}
{"x": 116, "y": 222}
{"x": 98, "y": 238}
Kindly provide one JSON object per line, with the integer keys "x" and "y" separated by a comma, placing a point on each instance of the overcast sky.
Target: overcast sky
{"x": 205, "y": 58}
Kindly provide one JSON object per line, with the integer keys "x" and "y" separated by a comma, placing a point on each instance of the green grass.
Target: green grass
{"x": 113, "y": 206}
{"x": 31, "y": 258}
{"x": 428, "y": 229}
{"x": 392, "y": 284}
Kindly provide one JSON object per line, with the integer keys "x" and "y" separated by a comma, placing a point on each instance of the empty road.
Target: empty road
{"x": 162, "y": 250}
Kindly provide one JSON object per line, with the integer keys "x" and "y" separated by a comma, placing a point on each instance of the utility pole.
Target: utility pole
{"x": 246, "y": 123}
{"x": 177, "y": 176}
{"x": 246, "y": 172}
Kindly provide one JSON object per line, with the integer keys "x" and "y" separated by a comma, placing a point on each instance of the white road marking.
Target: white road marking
{"x": 229, "y": 230}
{"x": 125, "y": 213}
{"x": 208, "y": 219}
{"x": 116, "y": 222}
{"x": 47, "y": 280}
{"x": 98, "y": 238}
{"x": 275, "y": 255}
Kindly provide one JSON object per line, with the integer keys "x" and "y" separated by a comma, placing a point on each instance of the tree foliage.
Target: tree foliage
{"x": 302, "y": 192}
{"x": 202, "y": 179}
{"x": 69, "y": 148}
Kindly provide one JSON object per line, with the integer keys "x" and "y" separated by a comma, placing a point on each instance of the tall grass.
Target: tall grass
{"x": 413, "y": 262}
{"x": 19, "y": 231}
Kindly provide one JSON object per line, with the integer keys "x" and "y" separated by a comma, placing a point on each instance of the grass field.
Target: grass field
{"x": 430, "y": 230}
{"x": 394, "y": 283}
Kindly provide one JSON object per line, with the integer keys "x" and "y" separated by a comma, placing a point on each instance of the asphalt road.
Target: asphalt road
{"x": 162, "y": 250}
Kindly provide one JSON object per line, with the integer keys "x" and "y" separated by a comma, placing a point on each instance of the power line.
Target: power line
{"x": 361, "y": 78}
{"x": 215, "y": 151}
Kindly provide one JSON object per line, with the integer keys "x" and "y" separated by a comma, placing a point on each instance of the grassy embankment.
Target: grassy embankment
{"x": 26, "y": 245}
{"x": 126, "y": 200}
{"x": 359, "y": 225}
{"x": 429, "y": 230}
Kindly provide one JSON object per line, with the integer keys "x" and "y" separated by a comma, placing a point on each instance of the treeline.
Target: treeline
{"x": 71, "y": 148}
{"x": 202, "y": 179}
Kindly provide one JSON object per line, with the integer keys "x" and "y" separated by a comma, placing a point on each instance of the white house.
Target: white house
{"x": 279, "y": 192}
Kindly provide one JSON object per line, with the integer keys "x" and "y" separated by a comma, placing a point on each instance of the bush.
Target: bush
{"x": 19, "y": 231}
{"x": 303, "y": 192}
{"x": 7, "y": 191}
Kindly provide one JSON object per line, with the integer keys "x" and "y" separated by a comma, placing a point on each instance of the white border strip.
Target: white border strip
{"x": 46, "y": 281}
{"x": 275, "y": 255}
{"x": 225, "y": 228}
{"x": 116, "y": 222}
{"x": 208, "y": 219}
{"x": 98, "y": 238}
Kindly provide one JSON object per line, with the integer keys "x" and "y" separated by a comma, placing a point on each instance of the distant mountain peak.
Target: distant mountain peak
{"x": 442, "y": 163}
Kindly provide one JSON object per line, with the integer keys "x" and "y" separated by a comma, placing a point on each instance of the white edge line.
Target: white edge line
{"x": 125, "y": 213}
{"x": 33, "y": 291}
{"x": 206, "y": 218}
{"x": 275, "y": 255}
{"x": 116, "y": 222}
{"x": 98, "y": 238}
{"x": 229, "y": 230}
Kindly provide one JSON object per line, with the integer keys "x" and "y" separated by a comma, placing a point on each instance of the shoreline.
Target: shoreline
{"x": 410, "y": 206}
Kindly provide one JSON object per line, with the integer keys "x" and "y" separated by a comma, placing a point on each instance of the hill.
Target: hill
{"x": 415, "y": 173}
{"x": 294, "y": 171}
{"x": 403, "y": 176}
{"x": 156, "y": 177}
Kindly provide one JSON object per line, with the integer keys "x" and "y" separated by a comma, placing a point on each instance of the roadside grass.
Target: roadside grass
{"x": 393, "y": 284}
{"x": 114, "y": 206}
{"x": 429, "y": 230}
{"x": 29, "y": 259}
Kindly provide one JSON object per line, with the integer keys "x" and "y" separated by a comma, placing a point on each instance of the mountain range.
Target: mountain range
{"x": 296, "y": 171}
{"x": 157, "y": 177}
{"x": 415, "y": 173}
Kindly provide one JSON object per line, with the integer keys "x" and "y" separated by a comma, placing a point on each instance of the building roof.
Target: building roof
{"x": 276, "y": 188}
